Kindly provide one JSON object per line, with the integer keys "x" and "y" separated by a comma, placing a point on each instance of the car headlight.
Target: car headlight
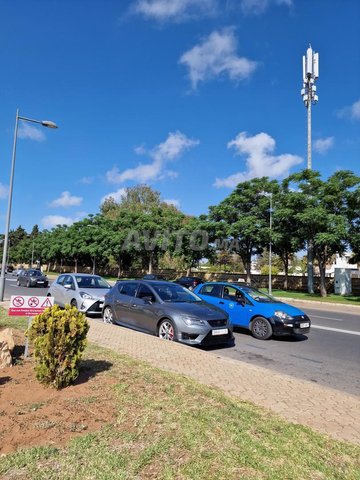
{"x": 87, "y": 296}
{"x": 283, "y": 316}
{"x": 192, "y": 320}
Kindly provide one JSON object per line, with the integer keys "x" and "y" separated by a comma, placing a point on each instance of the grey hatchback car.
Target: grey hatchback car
{"x": 85, "y": 292}
{"x": 167, "y": 310}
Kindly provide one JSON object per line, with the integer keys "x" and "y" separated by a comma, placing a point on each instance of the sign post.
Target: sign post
{"x": 24, "y": 306}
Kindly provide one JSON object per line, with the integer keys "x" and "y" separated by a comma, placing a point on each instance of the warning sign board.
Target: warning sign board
{"x": 29, "y": 306}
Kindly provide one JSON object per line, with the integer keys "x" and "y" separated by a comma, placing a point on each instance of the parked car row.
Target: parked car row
{"x": 204, "y": 316}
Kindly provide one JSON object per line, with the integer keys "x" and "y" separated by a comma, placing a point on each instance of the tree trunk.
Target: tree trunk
{"x": 248, "y": 271}
{"x": 94, "y": 265}
{"x": 119, "y": 267}
{"x": 322, "y": 268}
{"x": 286, "y": 270}
{"x": 310, "y": 266}
{"x": 76, "y": 265}
{"x": 188, "y": 271}
{"x": 150, "y": 263}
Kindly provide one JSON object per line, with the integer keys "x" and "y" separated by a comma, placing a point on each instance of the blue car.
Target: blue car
{"x": 250, "y": 308}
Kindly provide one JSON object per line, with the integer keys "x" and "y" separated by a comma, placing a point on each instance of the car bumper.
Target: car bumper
{"x": 206, "y": 336}
{"x": 91, "y": 306}
{"x": 298, "y": 326}
{"x": 41, "y": 283}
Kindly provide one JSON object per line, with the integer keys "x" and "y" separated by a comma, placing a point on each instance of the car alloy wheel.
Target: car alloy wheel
{"x": 108, "y": 316}
{"x": 73, "y": 303}
{"x": 261, "y": 328}
{"x": 167, "y": 330}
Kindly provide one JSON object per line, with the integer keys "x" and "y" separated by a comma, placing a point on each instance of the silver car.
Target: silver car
{"x": 167, "y": 310}
{"x": 85, "y": 292}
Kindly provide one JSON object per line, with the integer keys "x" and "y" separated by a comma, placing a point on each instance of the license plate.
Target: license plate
{"x": 40, "y": 282}
{"x": 220, "y": 331}
{"x": 305, "y": 325}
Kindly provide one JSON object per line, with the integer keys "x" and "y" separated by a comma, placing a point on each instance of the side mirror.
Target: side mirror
{"x": 241, "y": 301}
{"x": 68, "y": 286}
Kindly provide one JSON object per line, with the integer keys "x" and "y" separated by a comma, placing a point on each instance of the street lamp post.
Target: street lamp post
{"x": 269, "y": 195}
{"x": 270, "y": 242}
{"x": 44, "y": 123}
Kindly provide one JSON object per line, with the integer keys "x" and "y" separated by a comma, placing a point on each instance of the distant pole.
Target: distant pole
{"x": 308, "y": 93}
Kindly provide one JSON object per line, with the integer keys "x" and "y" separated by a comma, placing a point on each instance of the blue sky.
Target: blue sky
{"x": 188, "y": 96}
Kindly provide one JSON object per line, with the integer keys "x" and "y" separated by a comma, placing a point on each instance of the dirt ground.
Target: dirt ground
{"x": 32, "y": 414}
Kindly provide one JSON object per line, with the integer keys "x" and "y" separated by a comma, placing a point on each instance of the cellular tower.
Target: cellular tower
{"x": 308, "y": 92}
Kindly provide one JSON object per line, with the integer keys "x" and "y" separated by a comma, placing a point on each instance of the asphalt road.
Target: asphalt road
{"x": 328, "y": 355}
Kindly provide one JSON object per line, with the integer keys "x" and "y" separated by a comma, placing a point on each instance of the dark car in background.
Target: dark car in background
{"x": 153, "y": 276}
{"x": 189, "y": 282}
{"x": 167, "y": 310}
{"x": 32, "y": 278}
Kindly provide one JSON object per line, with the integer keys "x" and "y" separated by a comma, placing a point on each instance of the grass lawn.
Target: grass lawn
{"x": 331, "y": 298}
{"x": 169, "y": 427}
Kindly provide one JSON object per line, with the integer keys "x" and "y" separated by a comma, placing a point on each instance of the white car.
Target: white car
{"x": 83, "y": 291}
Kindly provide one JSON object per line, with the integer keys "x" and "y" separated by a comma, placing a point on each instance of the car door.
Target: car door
{"x": 143, "y": 309}
{"x": 68, "y": 293}
{"x": 235, "y": 303}
{"x": 124, "y": 301}
{"x": 24, "y": 278}
{"x": 56, "y": 290}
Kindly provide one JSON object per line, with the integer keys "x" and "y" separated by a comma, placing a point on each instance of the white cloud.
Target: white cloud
{"x": 173, "y": 147}
{"x": 216, "y": 56}
{"x": 52, "y": 220}
{"x": 174, "y": 10}
{"x": 257, "y": 7}
{"x": 30, "y": 132}
{"x": 117, "y": 196}
{"x": 174, "y": 202}
{"x": 3, "y": 191}
{"x": 353, "y": 111}
{"x": 322, "y": 145}
{"x": 259, "y": 160}
{"x": 66, "y": 200}
{"x": 86, "y": 180}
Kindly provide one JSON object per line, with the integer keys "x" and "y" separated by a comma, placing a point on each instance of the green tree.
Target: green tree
{"x": 323, "y": 208}
{"x": 243, "y": 219}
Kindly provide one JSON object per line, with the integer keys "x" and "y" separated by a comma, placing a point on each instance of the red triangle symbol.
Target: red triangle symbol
{"x": 47, "y": 303}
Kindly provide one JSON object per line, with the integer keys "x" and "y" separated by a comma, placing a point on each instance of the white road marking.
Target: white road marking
{"x": 350, "y": 332}
{"x": 328, "y": 318}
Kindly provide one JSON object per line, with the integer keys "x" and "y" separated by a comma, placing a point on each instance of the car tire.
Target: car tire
{"x": 108, "y": 315}
{"x": 166, "y": 330}
{"x": 18, "y": 282}
{"x": 261, "y": 328}
{"x": 73, "y": 303}
{"x": 28, "y": 284}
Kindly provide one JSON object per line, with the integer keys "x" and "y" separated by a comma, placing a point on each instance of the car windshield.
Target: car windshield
{"x": 175, "y": 293}
{"x": 258, "y": 295}
{"x": 35, "y": 273}
{"x": 86, "y": 281}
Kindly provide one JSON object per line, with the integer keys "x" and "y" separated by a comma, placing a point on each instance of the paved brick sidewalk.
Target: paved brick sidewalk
{"x": 323, "y": 409}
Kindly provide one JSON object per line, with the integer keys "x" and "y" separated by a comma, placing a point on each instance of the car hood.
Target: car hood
{"x": 271, "y": 308}
{"x": 98, "y": 293}
{"x": 198, "y": 309}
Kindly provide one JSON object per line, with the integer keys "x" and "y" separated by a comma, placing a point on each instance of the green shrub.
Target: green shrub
{"x": 59, "y": 338}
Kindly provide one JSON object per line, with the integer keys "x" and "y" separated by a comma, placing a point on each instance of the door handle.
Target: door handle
{"x": 221, "y": 303}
